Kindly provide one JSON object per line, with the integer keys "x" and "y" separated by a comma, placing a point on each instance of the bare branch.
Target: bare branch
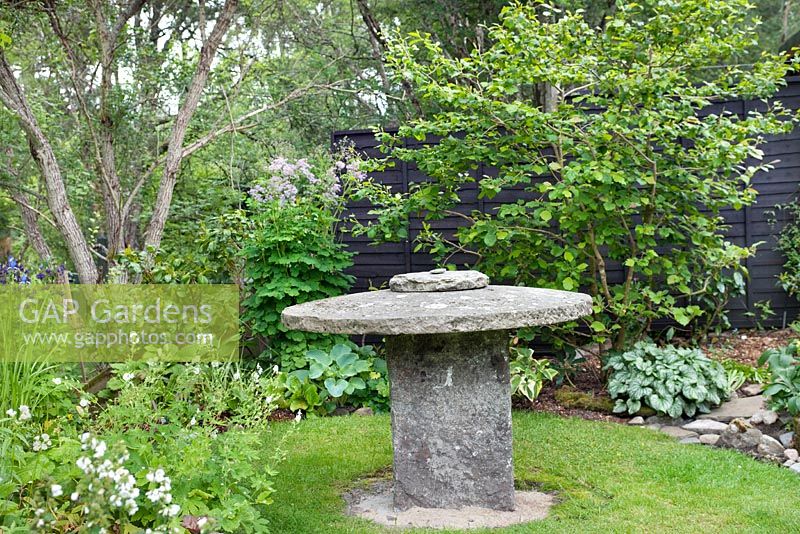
{"x": 174, "y": 157}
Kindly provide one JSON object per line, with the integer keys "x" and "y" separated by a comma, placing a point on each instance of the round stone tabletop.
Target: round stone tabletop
{"x": 393, "y": 313}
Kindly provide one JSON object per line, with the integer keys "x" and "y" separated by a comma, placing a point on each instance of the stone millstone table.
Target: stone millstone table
{"x": 447, "y": 354}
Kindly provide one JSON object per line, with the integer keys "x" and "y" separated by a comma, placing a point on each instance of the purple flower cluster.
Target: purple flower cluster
{"x": 286, "y": 180}
{"x": 13, "y": 272}
{"x": 352, "y": 167}
{"x": 277, "y": 188}
{"x": 282, "y": 167}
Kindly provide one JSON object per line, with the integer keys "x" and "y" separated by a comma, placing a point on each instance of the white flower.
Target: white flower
{"x": 85, "y": 437}
{"x": 99, "y": 449}
{"x": 85, "y": 464}
{"x": 57, "y": 381}
{"x": 275, "y": 369}
{"x": 56, "y": 490}
{"x": 236, "y": 376}
{"x": 74, "y": 497}
{"x": 298, "y": 416}
{"x": 193, "y": 422}
{"x": 202, "y": 521}
{"x": 171, "y": 510}
{"x": 24, "y": 413}
{"x": 11, "y": 412}
{"x": 41, "y": 443}
{"x": 196, "y": 370}
{"x": 84, "y": 403}
{"x": 744, "y": 337}
{"x": 127, "y": 377}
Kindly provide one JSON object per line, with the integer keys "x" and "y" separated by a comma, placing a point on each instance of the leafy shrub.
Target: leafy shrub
{"x": 292, "y": 258}
{"x": 294, "y": 255}
{"x": 789, "y": 245}
{"x": 528, "y": 374}
{"x": 670, "y": 380}
{"x": 345, "y": 376}
{"x": 615, "y": 167}
{"x": 783, "y": 389}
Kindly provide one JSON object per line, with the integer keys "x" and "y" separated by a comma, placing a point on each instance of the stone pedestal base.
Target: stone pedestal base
{"x": 451, "y": 420}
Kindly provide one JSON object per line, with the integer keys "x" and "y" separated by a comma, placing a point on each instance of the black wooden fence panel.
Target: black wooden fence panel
{"x": 761, "y": 222}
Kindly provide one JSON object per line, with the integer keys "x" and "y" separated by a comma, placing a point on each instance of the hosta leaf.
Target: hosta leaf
{"x": 321, "y": 357}
{"x": 335, "y": 387}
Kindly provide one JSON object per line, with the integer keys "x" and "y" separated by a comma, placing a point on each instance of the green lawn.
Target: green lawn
{"x": 610, "y": 478}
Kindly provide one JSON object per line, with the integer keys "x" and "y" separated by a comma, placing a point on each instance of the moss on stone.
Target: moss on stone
{"x": 572, "y": 398}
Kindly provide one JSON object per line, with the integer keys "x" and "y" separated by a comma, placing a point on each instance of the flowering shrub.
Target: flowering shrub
{"x": 176, "y": 446}
{"x": 294, "y": 254}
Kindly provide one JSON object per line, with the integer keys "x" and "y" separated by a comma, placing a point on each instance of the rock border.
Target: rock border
{"x": 743, "y": 423}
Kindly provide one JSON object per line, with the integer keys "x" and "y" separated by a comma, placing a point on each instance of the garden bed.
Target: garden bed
{"x": 743, "y": 346}
{"x": 746, "y": 346}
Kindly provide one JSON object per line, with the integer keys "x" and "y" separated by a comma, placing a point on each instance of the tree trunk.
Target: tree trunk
{"x": 155, "y": 230}
{"x": 42, "y": 152}
{"x": 30, "y": 221}
{"x": 33, "y": 232}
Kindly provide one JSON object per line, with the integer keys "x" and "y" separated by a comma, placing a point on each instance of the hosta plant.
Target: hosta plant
{"x": 784, "y": 388}
{"x": 670, "y": 380}
{"x": 528, "y": 374}
{"x": 344, "y": 376}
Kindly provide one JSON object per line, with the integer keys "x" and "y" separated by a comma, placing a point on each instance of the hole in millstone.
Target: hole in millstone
{"x": 370, "y": 498}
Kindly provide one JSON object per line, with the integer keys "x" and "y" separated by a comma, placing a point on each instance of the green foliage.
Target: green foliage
{"x": 752, "y": 375}
{"x": 292, "y": 258}
{"x": 763, "y": 312}
{"x": 528, "y": 374}
{"x": 670, "y": 380}
{"x": 169, "y": 441}
{"x": 735, "y": 379}
{"x": 293, "y": 254}
{"x": 567, "y": 363}
{"x": 789, "y": 245}
{"x": 616, "y": 166}
{"x": 345, "y": 376}
{"x": 783, "y": 389}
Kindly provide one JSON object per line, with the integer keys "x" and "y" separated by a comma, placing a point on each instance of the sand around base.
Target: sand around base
{"x": 376, "y": 505}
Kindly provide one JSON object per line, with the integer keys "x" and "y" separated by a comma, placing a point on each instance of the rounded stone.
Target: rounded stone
{"x": 438, "y": 280}
{"x": 709, "y": 439}
{"x": 391, "y": 313}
